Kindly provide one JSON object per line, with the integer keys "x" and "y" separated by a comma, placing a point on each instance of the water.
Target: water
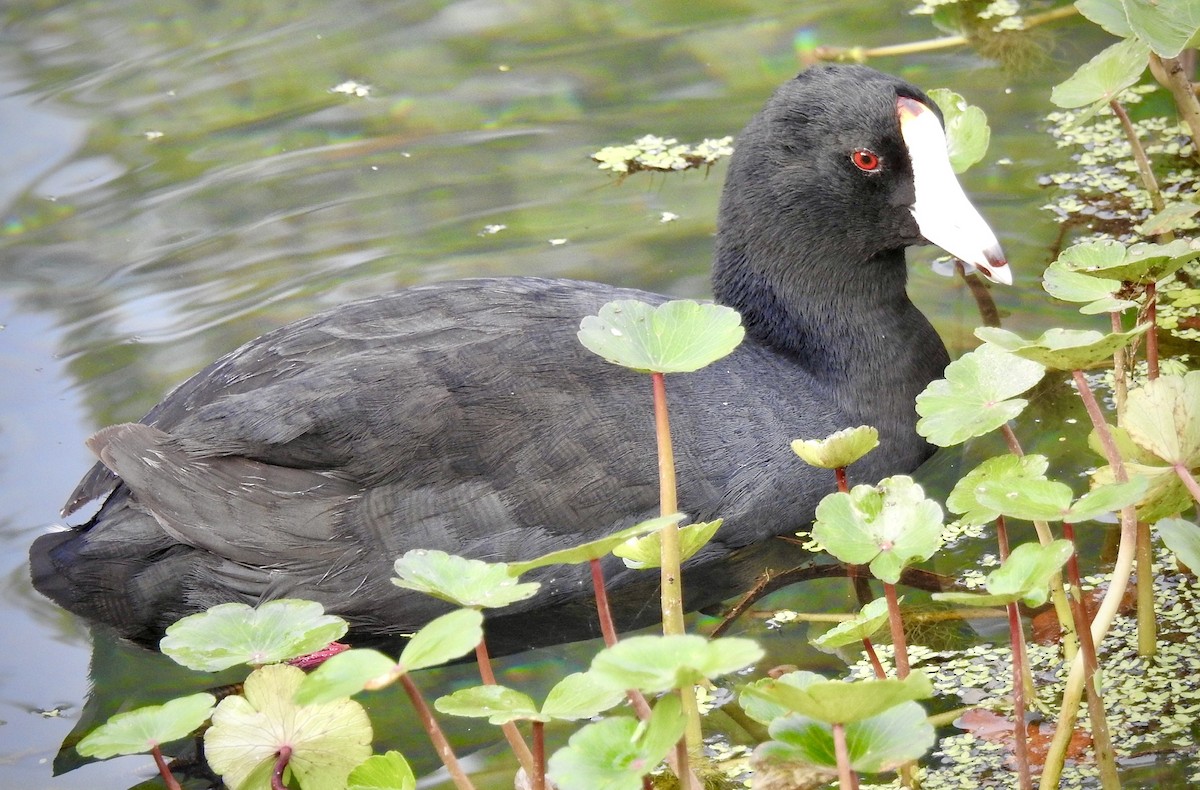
{"x": 179, "y": 177}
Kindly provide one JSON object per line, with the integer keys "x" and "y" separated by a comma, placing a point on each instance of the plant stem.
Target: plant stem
{"x": 1020, "y": 733}
{"x": 683, "y": 769}
{"x": 1189, "y": 482}
{"x": 1152, "y": 332}
{"x": 672, "y": 573}
{"x": 539, "y": 755}
{"x": 1181, "y": 89}
{"x": 1101, "y": 740}
{"x": 511, "y": 733}
{"x": 846, "y": 778}
{"x": 436, "y": 736}
{"x": 1122, "y": 569}
{"x": 1120, "y": 385}
{"x": 897, "y": 626}
{"x": 284, "y": 755}
{"x": 1147, "y": 625}
{"x": 1139, "y": 156}
{"x": 607, "y": 627}
{"x": 1019, "y": 648}
{"x": 164, "y": 770}
{"x": 842, "y": 483}
{"x": 876, "y": 664}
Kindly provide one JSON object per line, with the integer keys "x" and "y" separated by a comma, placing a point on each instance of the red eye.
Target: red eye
{"x": 865, "y": 159}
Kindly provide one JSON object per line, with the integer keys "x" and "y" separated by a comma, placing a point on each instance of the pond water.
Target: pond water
{"x": 179, "y": 177}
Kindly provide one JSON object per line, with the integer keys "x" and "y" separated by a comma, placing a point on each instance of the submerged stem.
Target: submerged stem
{"x": 539, "y": 755}
{"x": 897, "y": 626}
{"x": 509, "y": 728}
{"x": 436, "y": 736}
{"x": 1020, "y": 733}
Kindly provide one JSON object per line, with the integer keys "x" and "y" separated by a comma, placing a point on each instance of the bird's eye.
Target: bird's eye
{"x": 865, "y": 159}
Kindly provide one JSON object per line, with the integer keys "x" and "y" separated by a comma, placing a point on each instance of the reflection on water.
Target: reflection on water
{"x": 180, "y": 177}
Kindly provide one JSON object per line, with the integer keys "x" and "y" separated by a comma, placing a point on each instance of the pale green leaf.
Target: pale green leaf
{"x": 869, "y": 620}
{"x": 580, "y": 695}
{"x": 1061, "y": 349}
{"x": 653, "y": 664}
{"x": 1108, "y": 14}
{"x": 967, "y": 132}
{"x": 1169, "y": 26}
{"x": 461, "y": 581}
{"x": 443, "y": 639}
{"x": 1098, "y": 293}
{"x": 964, "y": 499}
{"x": 1183, "y": 539}
{"x": 498, "y": 704}
{"x": 389, "y": 771}
{"x": 879, "y": 743}
{"x": 1163, "y": 417}
{"x": 594, "y": 550}
{"x": 140, "y": 730}
{"x": 646, "y": 551}
{"x": 1102, "y": 78}
{"x": 841, "y": 702}
{"x": 347, "y": 673}
{"x": 839, "y": 449}
{"x": 679, "y": 336}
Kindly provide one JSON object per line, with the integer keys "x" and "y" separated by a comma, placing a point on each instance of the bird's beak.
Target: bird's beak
{"x": 943, "y": 213}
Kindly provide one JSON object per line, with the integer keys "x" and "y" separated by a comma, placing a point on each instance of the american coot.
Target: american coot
{"x": 466, "y": 417}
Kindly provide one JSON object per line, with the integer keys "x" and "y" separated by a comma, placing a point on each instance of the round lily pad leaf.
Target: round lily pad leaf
{"x": 137, "y": 731}
{"x": 1098, "y": 293}
{"x": 347, "y": 673}
{"x": 595, "y": 549}
{"x": 1182, "y": 538}
{"x": 580, "y": 695}
{"x": 1139, "y": 263}
{"x": 1024, "y": 576}
{"x": 865, "y": 624}
{"x": 879, "y": 743}
{"x": 1061, "y": 349}
{"x": 1108, "y": 14}
{"x": 977, "y": 396}
{"x": 1168, "y": 26}
{"x": 614, "y": 754}
{"x": 1103, "y": 77}
{"x": 498, "y": 704}
{"x": 461, "y": 581}
{"x": 890, "y": 526}
{"x": 967, "y": 132}
{"x": 1163, "y": 418}
{"x": 327, "y": 741}
{"x": 443, "y": 639}
{"x": 389, "y": 771}
{"x": 234, "y": 633}
{"x": 679, "y": 336}
{"x": 964, "y": 500}
{"x": 839, "y": 449}
{"x": 842, "y": 702}
{"x": 653, "y": 664}
{"x": 646, "y": 551}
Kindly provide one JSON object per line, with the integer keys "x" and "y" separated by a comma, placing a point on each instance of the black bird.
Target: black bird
{"x": 465, "y": 416}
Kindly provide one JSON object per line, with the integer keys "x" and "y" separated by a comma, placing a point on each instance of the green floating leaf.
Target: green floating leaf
{"x": 138, "y": 731}
{"x": 1098, "y": 293}
{"x": 1182, "y": 538}
{"x": 1102, "y": 500}
{"x": 879, "y": 743}
{"x": 462, "y": 582}
{"x": 963, "y": 499}
{"x": 865, "y": 624}
{"x": 967, "y": 132}
{"x": 1024, "y": 576}
{"x": 234, "y": 633}
{"x": 347, "y": 673}
{"x": 595, "y": 549}
{"x": 646, "y": 552}
{"x": 841, "y": 702}
{"x": 615, "y": 753}
{"x": 764, "y": 709}
{"x": 327, "y": 741}
{"x": 653, "y": 664}
{"x": 1168, "y": 26}
{"x": 890, "y": 526}
{"x": 388, "y": 771}
{"x": 1026, "y": 498}
{"x": 839, "y": 449}
{"x": 498, "y": 704}
{"x": 1103, "y": 77}
{"x": 1139, "y": 263}
{"x": 580, "y": 695}
{"x": 680, "y": 336}
{"x": 1061, "y": 349}
{"x": 443, "y": 639}
{"x": 977, "y": 396}
{"x": 1108, "y": 14}
{"x": 1163, "y": 418}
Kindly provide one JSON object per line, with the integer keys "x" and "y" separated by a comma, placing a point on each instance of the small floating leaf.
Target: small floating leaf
{"x": 615, "y": 753}
{"x": 1061, "y": 349}
{"x": 327, "y": 741}
{"x": 964, "y": 499}
{"x": 140, "y": 730}
{"x": 841, "y": 702}
{"x": 1024, "y": 576}
{"x": 1103, "y": 77}
{"x": 389, "y": 771}
{"x": 595, "y": 549}
{"x": 461, "y": 581}
{"x": 865, "y": 624}
{"x": 967, "y": 132}
{"x": 498, "y": 704}
{"x": 646, "y": 552}
{"x": 977, "y": 396}
{"x": 890, "y": 526}
{"x": 653, "y": 664}
{"x": 234, "y": 633}
{"x": 679, "y": 336}
{"x": 879, "y": 743}
{"x": 839, "y": 449}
